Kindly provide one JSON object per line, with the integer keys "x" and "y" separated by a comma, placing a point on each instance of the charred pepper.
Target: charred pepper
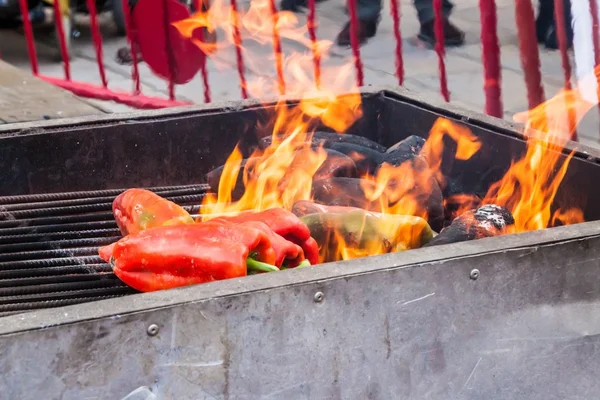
{"x": 172, "y": 256}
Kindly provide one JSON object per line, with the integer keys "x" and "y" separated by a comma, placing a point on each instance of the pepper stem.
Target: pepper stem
{"x": 258, "y": 266}
{"x": 304, "y": 263}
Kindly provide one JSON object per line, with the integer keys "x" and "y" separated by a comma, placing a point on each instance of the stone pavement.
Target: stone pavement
{"x": 464, "y": 66}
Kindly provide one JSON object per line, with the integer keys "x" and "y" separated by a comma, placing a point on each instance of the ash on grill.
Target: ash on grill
{"x": 49, "y": 246}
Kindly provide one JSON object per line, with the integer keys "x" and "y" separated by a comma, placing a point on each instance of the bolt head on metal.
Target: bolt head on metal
{"x": 319, "y": 296}
{"x": 152, "y": 330}
{"x": 474, "y": 274}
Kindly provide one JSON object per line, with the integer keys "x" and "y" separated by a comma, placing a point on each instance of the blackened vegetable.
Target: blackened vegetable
{"x": 486, "y": 221}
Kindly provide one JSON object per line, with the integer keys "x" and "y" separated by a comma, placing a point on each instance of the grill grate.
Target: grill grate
{"x": 49, "y": 245}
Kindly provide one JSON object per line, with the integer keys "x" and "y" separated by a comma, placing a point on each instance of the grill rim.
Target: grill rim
{"x": 141, "y": 302}
{"x": 424, "y": 101}
{"x": 433, "y": 105}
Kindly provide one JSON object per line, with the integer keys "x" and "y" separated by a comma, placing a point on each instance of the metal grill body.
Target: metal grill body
{"x": 436, "y": 327}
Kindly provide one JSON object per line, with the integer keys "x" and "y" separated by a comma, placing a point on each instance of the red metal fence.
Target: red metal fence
{"x": 525, "y": 21}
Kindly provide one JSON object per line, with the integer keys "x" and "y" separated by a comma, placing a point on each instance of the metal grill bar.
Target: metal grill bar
{"x": 93, "y": 193}
{"x": 66, "y": 272}
{"x": 32, "y": 237}
{"x": 49, "y": 246}
{"x": 85, "y": 208}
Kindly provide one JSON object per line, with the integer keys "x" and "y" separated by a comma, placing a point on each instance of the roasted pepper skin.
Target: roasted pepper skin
{"x": 138, "y": 209}
{"x": 172, "y": 256}
{"x": 285, "y": 224}
{"x": 287, "y": 254}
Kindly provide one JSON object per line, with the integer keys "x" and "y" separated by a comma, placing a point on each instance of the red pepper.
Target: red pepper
{"x": 171, "y": 256}
{"x": 106, "y": 252}
{"x": 138, "y": 209}
{"x": 285, "y": 224}
{"x": 287, "y": 254}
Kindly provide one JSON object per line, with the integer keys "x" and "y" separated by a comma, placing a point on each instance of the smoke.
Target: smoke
{"x": 583, "y": 49}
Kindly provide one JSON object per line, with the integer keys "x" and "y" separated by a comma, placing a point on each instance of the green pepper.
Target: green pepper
{"x": 360, "y": 233}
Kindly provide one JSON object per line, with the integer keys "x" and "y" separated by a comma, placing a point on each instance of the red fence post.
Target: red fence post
{"x": 203, "y": 71}
{"x": 237, "y": 40}
{"x": 168, "y": 47}
{"x": 29, "y": 37}
{"x": 135, "y": 73}
{"x": 277, "y": 48}
{"x": 528, "y": 47}
{"x": 97, "y": 38}
{"x": 491, "y": 58}
{"x": 354, "y": 42}
{"x": 439, "y": 47}
{"x": 313, "y": 38}
{"x": 60, "y": 30}
{"x": 395, "y": 12}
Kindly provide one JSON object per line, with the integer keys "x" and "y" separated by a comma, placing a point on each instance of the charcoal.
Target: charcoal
{"x": 367, "y": 160}
{"x": 335, "y": 165}
{"x": 348, "y": 192}
{"x": 332, "y": 137}
{"x": 327, "y": 139}
{"x": 405, "y": 150}
{"x": 214, "y": 176}
{"x": 486, "y": 221}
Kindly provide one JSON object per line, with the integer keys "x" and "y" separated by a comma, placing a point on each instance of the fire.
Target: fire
{"x": 407, "y": 185}
{"x": 281, "y": 173}
{"x": 530, "y": 185}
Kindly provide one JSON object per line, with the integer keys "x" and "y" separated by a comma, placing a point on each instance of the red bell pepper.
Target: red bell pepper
{"x": 138, "y": 209}
{"x": 287, "y": 254}
{"x": 285, "y": 224}
{"x": 173, "y": 256}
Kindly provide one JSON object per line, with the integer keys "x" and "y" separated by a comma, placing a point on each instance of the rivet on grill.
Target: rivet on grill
{"x": 474, "y": 274}
{"x": 152, "y": 330}
{"x": 319, "y": 296}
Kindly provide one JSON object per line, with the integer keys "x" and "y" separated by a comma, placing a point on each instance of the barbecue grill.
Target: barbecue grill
{"x": 507, "y": 317}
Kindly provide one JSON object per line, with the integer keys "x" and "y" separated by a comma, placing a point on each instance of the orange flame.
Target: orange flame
{"x": 407, "y": 186}
{"x": 529, "y": 187}
{"x": 283, "y": 172}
